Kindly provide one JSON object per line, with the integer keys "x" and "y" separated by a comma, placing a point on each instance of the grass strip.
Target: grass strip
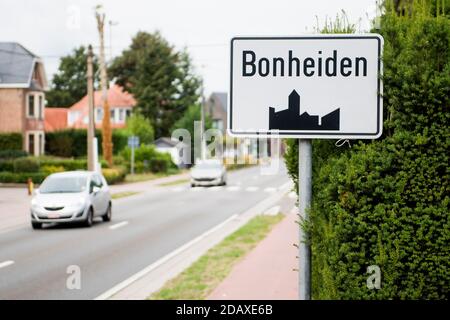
{"x": 204, "y": 275}
{"x": 123, "y": 194}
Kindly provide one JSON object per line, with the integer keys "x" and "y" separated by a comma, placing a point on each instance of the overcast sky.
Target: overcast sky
{"x": 52, "y": 28}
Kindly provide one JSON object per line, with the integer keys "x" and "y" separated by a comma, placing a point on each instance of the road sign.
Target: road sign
{"x": 313, "y": 87}
{"x": 133, "y": 141}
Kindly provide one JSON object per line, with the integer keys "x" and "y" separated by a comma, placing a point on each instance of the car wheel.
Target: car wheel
{"x": 107, "y": 216}
{"x": 36, "y": 225}
{"x": 89, "y": 218}
{"x": 192, "y": 185}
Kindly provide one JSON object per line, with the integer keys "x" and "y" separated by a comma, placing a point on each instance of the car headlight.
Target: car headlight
{"x": 34, "y": 203}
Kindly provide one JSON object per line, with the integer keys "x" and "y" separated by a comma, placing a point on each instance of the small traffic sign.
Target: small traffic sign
{"x": 314, "y": 87}
{"x": 133, "y": 141}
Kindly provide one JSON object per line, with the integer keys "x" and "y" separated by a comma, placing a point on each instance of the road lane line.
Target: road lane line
{"x": 122, "y": 285}
{"x": 270, "y": 189}
{"x": 118, "y": 225}
{"x": 4, "y": 264}
{"x": 252, "y": 189}
{"x": 233, "y": 188}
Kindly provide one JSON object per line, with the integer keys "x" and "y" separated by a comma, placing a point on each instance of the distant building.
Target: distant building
{"x": 168, "y": 145}
{"x": 291, "y": 119}
{"x": 121, "y": 103}
{"x": 22, "y": 98}
{"x": 216, "y": 109}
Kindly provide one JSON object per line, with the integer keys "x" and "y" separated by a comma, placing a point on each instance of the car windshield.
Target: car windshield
{"x": 208, "y": 166}
{"x": 63, "y": 185}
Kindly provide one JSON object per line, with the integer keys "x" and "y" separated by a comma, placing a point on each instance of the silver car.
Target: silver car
{"x": 208, "y": 172}
{"x": 74, "y": 196}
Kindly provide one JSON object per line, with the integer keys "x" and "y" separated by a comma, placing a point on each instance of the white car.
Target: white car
{"x": 208, "y": 172}
{"x": 73, "y": 196}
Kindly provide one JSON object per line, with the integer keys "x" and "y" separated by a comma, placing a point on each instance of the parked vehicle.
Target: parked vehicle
{"x": 74, "y": 196}
{"x": 208, "y": 172}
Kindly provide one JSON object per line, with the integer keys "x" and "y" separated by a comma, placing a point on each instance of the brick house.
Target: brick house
{"x": 22, "y": 98}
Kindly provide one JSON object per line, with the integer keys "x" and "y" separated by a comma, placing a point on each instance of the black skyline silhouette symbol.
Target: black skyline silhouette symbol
{"x": 291, "y": 119}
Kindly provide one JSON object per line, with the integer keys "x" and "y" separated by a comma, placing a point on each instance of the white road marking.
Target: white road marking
{"x": 196, "y": 189}
{"x": 161, "y": 261}
{"x": 292, "y": 195}
{"x": 215, "y": 188}
{"x": 4, "y": 264}
{"x": 118, "y": 225}
{"x": 252, "y": 189}
{"x": 178, "y": 189}
{"x": 270, "y": 189}
{"x": 272, "y": 211}
{"x": 233, "y": 188}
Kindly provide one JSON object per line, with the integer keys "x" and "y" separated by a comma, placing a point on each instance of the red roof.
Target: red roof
{"x": 55, "y": 119}
{"x": 117, "y": 97}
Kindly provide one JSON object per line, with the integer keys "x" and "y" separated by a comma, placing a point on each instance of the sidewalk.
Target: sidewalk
{"x": 266, "y": 273}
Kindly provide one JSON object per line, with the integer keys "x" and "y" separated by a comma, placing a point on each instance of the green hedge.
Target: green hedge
{"x": 11, "y": 141}
{"x": 73, "y": 142}
{"x": 148, "y": 159}
{"x": 12, "y": 154}
{"x": 11, "y": 177}
{"x": 387, "y": 202}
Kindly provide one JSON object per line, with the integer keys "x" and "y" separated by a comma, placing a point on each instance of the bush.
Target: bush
{"x": 30, "y": 164}
{"x": 10, "y": 177}
{"x": 6, "y": 165}
{"x": 12, "y": 154}
{"x": 73, "y": 142}
{"x": 114, "y": 175}
{"x": 49, "y": 169}
{"x": 11, "y": 141}
{"x": 148, "y": 159}
{"x": 387, "y": 202}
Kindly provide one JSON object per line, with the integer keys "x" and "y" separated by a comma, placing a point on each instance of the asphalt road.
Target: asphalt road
{"x": 145, "y": 227}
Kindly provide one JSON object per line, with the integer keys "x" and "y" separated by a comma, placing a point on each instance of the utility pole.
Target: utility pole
{"x": 111, "y": 24}
{"x": 91, "y": 125}
{"x": 106, "y": 123}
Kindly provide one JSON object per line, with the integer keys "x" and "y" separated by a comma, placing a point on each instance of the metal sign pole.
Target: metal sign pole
{"x": 304, "y": 189}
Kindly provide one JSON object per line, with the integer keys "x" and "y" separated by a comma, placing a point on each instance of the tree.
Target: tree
{"x": 160, "y": 78}
{"x": 69, "y": 83}
{"x": 138, "y": 125}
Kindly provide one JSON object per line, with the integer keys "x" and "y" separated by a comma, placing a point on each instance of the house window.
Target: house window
{"x": 41, "y": 143}
{"x": 98, "y": 114}
{"x": 113, "y": 113}
{"x": 121, "y": 115}
{"x": 31, "y": 143}
{"x": 30, "y": 106}
{"x": 40, "y": 107}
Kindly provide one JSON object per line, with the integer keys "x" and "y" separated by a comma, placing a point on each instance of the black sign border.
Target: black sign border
{"x": 303, "y": 133}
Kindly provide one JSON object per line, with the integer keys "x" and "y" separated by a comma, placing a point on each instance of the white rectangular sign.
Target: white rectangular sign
{"x": 313, "y": 87}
